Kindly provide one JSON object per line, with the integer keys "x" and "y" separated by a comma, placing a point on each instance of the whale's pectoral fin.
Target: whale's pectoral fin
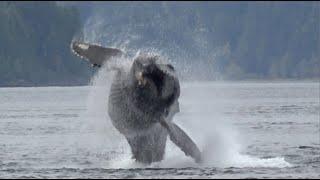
{"x": 95, "y": 54}
{"x": 173, "y": 109}
{"x": 182, "y": 140}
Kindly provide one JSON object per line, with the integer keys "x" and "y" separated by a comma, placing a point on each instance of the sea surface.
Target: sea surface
{"x": 244, "y": 129}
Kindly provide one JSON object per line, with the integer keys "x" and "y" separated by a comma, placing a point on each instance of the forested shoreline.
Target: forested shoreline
{"x": 211, "y": 40}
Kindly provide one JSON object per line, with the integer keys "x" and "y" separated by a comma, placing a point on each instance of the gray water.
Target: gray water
{"x": 245, "y": 130}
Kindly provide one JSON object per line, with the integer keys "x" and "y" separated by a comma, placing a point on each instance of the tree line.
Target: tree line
{"x": 204, "y": 40}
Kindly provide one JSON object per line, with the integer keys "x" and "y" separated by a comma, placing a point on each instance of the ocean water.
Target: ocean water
{"x": 244, "y": 129}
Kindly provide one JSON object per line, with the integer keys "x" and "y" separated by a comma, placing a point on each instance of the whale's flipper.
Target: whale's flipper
{"x": 95, "y": 54}
{"x": 182, "y": 140}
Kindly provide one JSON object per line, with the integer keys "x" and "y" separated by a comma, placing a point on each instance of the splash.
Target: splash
{"x": 215, "y": 134}
{"x": 216, "y": 137}
{"x": 219, "y": 140}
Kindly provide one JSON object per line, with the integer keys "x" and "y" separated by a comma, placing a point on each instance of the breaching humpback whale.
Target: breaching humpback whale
{"x": 142, "y": 101}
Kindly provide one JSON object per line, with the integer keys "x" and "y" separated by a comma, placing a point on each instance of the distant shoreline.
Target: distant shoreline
{"x": 182, "y": 81}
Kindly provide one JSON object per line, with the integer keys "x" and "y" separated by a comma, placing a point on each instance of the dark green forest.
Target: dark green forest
{"x": 204, "y": 40}
{"x": 35, "y": 45}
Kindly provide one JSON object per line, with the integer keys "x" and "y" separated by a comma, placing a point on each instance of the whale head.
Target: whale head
{"x": 155, "y": 84}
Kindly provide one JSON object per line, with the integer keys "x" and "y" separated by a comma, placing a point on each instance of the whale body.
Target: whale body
{"x": 142, "y": 102}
